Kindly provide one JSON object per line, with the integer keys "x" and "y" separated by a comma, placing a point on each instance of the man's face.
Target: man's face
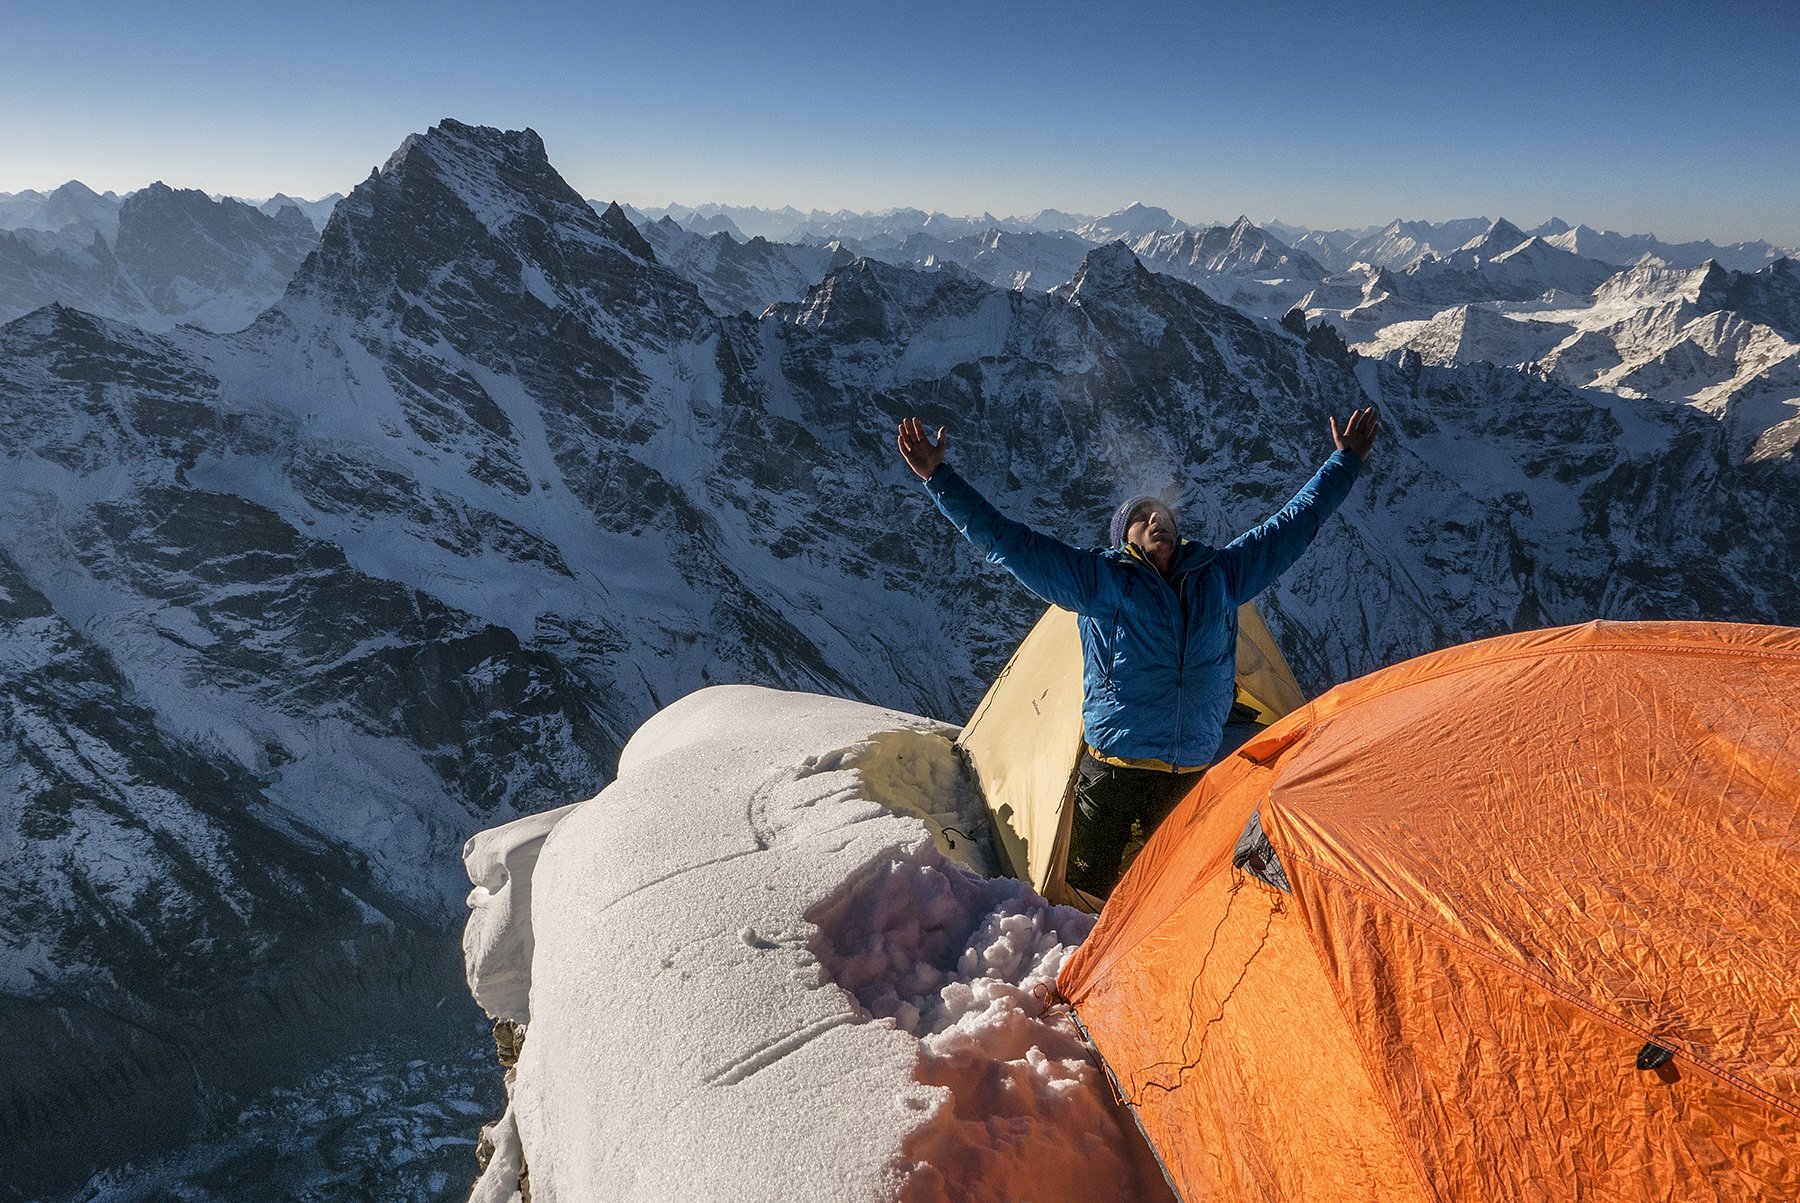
{"x": 1152, "y": 529}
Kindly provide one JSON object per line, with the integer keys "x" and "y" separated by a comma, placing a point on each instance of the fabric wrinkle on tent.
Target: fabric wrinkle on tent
{"x": 1519, "y": 869}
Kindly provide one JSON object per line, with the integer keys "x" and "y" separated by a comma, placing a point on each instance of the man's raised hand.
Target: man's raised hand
{"x": 1358, "y": 434}
{"x": 921, "y": 454}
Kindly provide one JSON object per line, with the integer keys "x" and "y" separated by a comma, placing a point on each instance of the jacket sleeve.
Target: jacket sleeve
{"x": 1062, "y": 575}
{"x": 1255, "y": 558}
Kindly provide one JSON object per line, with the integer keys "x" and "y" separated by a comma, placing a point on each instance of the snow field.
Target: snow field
{"x": 757, "y": 969}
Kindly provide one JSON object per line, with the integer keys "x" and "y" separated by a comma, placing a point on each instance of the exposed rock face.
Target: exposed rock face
{"x": 293, "y": 611}
{"x": 1770, "y": 296}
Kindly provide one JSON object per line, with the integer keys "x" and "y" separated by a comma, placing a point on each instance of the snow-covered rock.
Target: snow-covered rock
{"x": 1240, "y": 265}
{"x": 760, "y": 970}
{"x": 1721, "y": 341}
{"x": 1240, "y": 249}
{"x": 1469, "y": 334}
{"x": 1400, "y": 244}
{"x": 1036, "y": 260}
{"x": 1502, "y": 264}
{"x": 1132, "y": 222}
{"x": 1626, "y": 250}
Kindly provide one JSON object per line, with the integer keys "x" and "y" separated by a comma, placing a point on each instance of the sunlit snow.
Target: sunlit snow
{"x": 758, "y": 969}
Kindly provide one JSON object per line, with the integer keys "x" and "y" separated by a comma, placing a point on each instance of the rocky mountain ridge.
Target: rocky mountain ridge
{"x": 1442, "y": 302}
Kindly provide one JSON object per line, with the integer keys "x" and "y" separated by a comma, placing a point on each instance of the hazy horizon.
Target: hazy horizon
{"x": 1200, "y": 221}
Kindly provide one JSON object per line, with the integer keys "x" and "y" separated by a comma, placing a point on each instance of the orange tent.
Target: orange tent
{"x": 1541, "y": 939}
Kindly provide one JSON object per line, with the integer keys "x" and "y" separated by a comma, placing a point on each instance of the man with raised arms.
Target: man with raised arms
{"x": 1158, "y": 621}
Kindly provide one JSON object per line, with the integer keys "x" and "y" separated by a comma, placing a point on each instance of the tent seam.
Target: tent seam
{"x": 1546, "y": 982}
{"x": 1402, "y": 1131}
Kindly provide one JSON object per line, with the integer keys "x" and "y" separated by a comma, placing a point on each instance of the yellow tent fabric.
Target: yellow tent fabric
{"x": 1265, "y": 683}
{"x": 1024, "y": 739}
{"x": 1519, "y": 869}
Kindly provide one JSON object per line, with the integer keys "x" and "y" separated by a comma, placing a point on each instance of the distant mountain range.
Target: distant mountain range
{"x": 157, "y": 258}
{"x": 1725, "y": 342}
{"x": 1458, "y": 292}
{"x": 1398, "y": 245}
{"x": 78, "y": 209}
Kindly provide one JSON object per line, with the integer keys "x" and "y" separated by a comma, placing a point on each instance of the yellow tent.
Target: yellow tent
{"x": 1024, "y": 740}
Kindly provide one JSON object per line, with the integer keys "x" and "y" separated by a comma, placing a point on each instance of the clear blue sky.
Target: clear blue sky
{"x": 1675, "y": 118}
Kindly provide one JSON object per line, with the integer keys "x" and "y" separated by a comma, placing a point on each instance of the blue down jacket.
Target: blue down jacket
{"x": 1159, "y": 657}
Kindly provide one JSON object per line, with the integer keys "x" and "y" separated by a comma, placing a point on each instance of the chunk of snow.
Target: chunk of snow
{"x": 497, "y": 942}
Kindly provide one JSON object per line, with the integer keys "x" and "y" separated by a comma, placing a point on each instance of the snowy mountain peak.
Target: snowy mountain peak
{"x": 1055, "y": 219}
{"x": 450, "y": 140}
{"x": 1241, "y": 250}
{"x": 1770, "y": 296}
{"x": 1138, "y": 211}
{"x": 1105, "y": 269}
{"x": 1401, "y": 228}
{"x": 316, "y": 212}
{"x": 294, "y": 219}
{"x": 1503, "y": 235}
{"x": 1133, "y": 221}
{"x": 75, "y": 190}
{"x": 618, "y": 227}
{"x": 53, "y": 319}
{"x": 158, "y": 197}
{"x": 497, "y": 176}
{"x": 868, "y": 299}
{"x": 1652, "y": 283}
{"x": 462, "y": 212}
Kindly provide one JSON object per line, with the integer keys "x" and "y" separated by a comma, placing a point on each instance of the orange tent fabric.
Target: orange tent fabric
{"x": 1513, "y": 865}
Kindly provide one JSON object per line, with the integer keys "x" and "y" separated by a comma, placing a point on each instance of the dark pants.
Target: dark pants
{"x": 1109, "y": 799}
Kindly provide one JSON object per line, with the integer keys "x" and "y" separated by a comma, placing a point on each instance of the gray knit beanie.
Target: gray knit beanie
{"x": 1122, "y": 517}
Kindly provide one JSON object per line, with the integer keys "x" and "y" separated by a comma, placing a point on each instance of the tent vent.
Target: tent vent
{"x": 1654, "y": 1056}
{"x": 1256, "y": 856}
